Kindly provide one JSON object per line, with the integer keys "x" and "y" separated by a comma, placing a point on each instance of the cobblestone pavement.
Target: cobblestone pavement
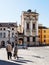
{"x": 30, "y": 56}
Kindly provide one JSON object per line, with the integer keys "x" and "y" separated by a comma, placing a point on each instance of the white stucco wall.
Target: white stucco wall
{"x": 6, "y": 31}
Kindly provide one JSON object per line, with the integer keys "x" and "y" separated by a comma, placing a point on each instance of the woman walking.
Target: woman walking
{"x": 15, "y": 52}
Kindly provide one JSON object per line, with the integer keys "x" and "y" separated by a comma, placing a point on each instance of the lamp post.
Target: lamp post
{"x": 16, "y": 37}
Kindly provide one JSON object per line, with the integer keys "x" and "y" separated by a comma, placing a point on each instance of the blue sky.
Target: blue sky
{"x": 10, "y": 10}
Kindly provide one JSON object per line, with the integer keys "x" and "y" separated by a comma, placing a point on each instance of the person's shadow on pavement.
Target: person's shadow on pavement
{"x": 22, "y": 60}
{"x": 3, "y": 62}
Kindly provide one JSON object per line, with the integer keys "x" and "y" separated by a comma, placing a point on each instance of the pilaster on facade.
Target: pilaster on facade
{"x": 25, "y": 27}
{"x": 31, "y": 27}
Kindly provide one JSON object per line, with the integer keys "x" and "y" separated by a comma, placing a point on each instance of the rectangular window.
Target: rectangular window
{"x": 33, "y": 39}
{"x": 44, "y": 31}
{"x": 44, "y": 36}
{"x": 44, "y": 40}
{"x": 33, "y": 25}
{"x": 28, "y": 39}
{"x": 27, "y": 25}
{"x": 0, "y": 35}
{"x": 4, "y": 35}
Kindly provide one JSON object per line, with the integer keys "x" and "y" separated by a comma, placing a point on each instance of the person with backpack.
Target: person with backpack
{"x": 9, "y": 50}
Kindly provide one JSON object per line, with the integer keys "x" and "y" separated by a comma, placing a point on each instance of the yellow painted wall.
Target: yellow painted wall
{"x": 41, "y": 34}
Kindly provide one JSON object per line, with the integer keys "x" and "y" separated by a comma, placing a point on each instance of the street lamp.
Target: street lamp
{"x": 16, "y": 37}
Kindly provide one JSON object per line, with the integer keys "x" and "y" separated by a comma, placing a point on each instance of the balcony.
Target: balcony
{"x": 34, "y": 30}
{"x": 27, "y": 30}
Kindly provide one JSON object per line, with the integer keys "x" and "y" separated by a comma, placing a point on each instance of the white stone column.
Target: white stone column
{"x": 36, "y": 32}
{"x": 31, "y": 39}
{"x": 37, "y": 28}
{"x": 25, "y": 27}
{"x": 31, "y": 27}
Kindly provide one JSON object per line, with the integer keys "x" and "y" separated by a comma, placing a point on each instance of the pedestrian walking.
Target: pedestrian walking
{"x": 9, "y": 50}
{"x": 15, "y": 51}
